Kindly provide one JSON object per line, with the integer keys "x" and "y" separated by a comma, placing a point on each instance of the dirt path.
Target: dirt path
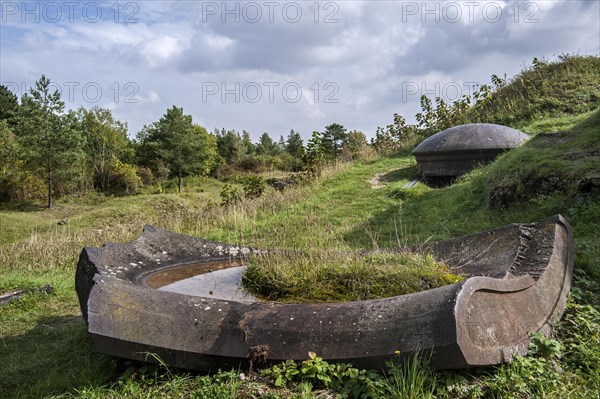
{"x": 376, "y": 182}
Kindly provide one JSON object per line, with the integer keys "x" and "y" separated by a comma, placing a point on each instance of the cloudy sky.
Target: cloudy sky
{"x": 279, "y": 65}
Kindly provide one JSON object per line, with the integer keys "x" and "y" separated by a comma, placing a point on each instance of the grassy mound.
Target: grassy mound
{"x": 338, "y": 276}
{"x": 568, "y": 86}
{"x": 565, "y": 163}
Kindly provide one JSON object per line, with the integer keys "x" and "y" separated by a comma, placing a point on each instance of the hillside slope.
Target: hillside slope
{"x": 567, "y": 86}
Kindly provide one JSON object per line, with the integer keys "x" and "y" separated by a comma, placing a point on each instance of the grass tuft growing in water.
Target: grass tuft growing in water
{"x": 327, "y": 276}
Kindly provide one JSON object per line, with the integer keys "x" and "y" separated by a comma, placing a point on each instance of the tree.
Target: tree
{"x": 294, "y": 144}
{"x": 208, "y": 151}
{"x": 314, "y": 155}
{"x": 281, "y": 144}
{"x": 249, "y": 147}
{"x": 333, "y": 139}
{"x": 106, "y": 143}
{"x": 9, "y": 158}
{"x": 357, "y": 145}
{"x": 8, "y": 105}
{"x": 8, "y": 150}
{"x": 395, "y": 136}
{"x": 266, "y": 145}
{"x": 178, "y": 145}
{"x": 51, "y": 142}
{"x": 229, "y": 145}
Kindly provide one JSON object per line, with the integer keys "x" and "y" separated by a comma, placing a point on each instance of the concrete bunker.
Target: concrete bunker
{"x": 451, "y": 153}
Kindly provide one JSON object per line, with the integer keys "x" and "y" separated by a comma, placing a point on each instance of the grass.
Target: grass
{"x": 326, "y": 276}
{"x": 547, "y": 89}
{"x": 410, "y": 380}
{"x": 45, "y": 351}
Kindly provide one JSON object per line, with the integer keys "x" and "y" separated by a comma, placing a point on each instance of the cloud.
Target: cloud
{"x": 368, "y": 56}
{"x": 515, "y": 29}
{"x": 160, "y": 51}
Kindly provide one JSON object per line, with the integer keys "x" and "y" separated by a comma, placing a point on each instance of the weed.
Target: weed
{"x": 230, "y": 195}
{"x": 411, "y": 379}
{"x": 341, "y": 377}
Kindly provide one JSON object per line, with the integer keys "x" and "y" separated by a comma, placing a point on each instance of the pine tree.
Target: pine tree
{"x": 333, "y": 139}
{"x": 52, "y": 145}
{"x": 295, "y": 145}
{"x": 249, "y": 147}
{"x": 8, "y": 105}
{"x": 229, "y": 145}
{"x": 175, "y": 143}
{"x": 266, "y": 145}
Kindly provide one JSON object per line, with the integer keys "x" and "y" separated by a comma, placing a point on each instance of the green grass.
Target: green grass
{"x": 567, "y": 86}
{"x": 325, "y": 276}
{"x": 20, "y": 221}
{"x": 44, "y": 349}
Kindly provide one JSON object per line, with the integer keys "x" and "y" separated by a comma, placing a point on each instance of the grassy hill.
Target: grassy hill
{"x": 44, "y": 347}
{"x": 546, "y": 89}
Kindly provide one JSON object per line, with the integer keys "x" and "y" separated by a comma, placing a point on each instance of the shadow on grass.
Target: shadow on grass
{"x": 22, "y": 206}
{"x": 422, "y": 215}
{"x": 408, "y": 173}
{"x": 52, "y": 358}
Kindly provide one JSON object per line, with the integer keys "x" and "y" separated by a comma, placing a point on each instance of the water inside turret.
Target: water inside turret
{"x": 216, "y": 280}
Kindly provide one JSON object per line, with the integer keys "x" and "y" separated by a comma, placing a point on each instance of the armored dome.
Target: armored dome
{"x": 457, "y": 150}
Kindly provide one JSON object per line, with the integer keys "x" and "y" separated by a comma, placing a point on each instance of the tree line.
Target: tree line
{"x": 48, "y": 151}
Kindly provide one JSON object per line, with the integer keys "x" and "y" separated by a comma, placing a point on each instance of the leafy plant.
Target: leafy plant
{"x": 230, "y": 195}
{"x": 254, "y": 186}
{"x": 341, "y": 377}
{"x": 545, "y": 346}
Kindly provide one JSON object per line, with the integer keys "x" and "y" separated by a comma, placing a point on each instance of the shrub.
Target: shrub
{"x": 124, "y": 177}
{"x": 146, "y": 175}
{"x": 230, "y": 195}
{"x": 254, "y": 186}
{"x": 18, "y": 184}
{"x": 249, "y": 164}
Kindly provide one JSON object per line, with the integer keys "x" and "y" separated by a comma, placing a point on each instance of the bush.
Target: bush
{"x": 254, "y": 187}
{"x": 230, "y": 195}
{"x": 249, "y": 164}
{"x": 18, "y": 184}
{"x": 124, "y": 177}
{"x": 146, "y": 175}
{"x": 289, "y": 163}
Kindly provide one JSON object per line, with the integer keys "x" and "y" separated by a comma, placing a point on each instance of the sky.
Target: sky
{"x": 273, "y": 66}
